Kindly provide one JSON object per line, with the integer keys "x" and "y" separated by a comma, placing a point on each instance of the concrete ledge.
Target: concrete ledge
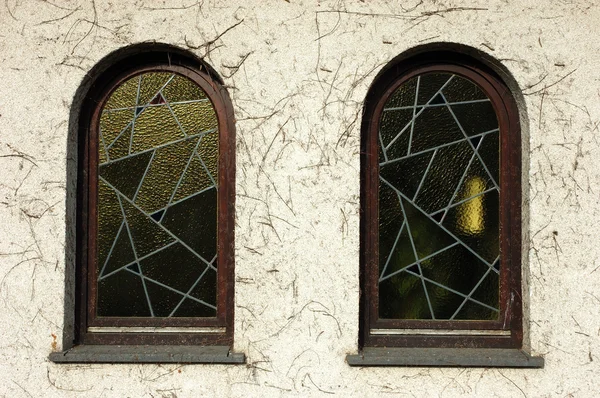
{"x": 449, "y": 357}
{"x": 148, "y": 354}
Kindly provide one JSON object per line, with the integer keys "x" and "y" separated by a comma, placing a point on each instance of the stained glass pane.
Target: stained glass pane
{"x": 439, "y": 157}
{"x": 157, "y": 200}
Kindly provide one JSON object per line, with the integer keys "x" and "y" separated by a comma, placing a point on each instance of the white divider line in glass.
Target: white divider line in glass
{"x": 412, "y": 243}
{"x": 419, "y": 113}
{"x": 120, "y": 195}
{"x": 135, "y": 256}
{"x": 399, "y": 108}
{"x": 414, "y": 117}
{"x": 439, "y": 225}
{"x": 470, "y": 143}
{"x": 485, "y": 133}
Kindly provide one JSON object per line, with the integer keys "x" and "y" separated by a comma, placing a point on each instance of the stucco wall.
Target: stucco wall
{"x": 304, "y": 70}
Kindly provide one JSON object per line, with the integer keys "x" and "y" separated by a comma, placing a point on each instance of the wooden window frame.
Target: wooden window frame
{"x": 507, "y": 332}
{"x": 158, "y": 331}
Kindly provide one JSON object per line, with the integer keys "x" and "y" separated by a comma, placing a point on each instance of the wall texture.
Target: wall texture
{"x": 298, "y": 73}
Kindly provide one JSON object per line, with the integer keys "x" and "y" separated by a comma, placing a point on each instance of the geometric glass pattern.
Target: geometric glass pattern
{"x": 158, "y": 154}
{"x": 439, "y": 255}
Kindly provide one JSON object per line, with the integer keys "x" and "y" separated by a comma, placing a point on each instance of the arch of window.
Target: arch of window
{"x": 441, "y": 207}
{"x": 155, "y": 213}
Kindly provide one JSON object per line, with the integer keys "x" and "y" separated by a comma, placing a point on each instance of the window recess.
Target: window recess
{"x": 155, "y": 213}
{"x": 441, "y": 217}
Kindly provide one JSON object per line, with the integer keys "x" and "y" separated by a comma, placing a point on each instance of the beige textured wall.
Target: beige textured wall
{"x": 297, "y": 95}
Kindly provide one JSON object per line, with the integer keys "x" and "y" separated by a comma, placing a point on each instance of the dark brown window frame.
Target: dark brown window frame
{"x": 202, "y": 331}
{"x": 507, "y": 332}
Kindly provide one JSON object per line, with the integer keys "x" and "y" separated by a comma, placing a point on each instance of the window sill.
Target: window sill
{"x": 148, "y": 354}
{"x": 446, "y": 357}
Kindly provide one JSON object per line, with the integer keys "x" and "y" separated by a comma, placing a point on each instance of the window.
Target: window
{"x": 441, "y": 197}
{"x": 155, "y": 208}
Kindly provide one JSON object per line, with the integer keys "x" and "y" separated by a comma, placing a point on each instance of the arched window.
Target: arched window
{"x": 156, "y": 204}
{"x": 441, "y": 207}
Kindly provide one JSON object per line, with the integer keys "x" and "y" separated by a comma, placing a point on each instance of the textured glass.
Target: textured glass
{"x": 119, "y": 148}
{"x": 124, "y": 96}
{"x": 434, "y": 126}
{"x": 154, "y": 126}
{"x": 113, "y": 123}
{"x": 461, "y": 90}
{"x": 121, "y": 254}
{"x": 475, "y": 118}
{"x": 441, "y": 181}
{"x": 194, "y": 222}
{"x": 128, "y": 182}
{"x": 393, "y": 131}
{"x": 208, "y": 151}
{"x": 151, "y": 85}
{"x": 163, "y": 175}
{"x": 157, "y": 199}
{"x": 439, "y": 157}
{"x": 181, "y": 89}
{"x": 404, "y": 95}
{"x": 122, "y": 294}
{"x": 195, "y": 179}
{"x": 110, "y": 223}
{"x": 429, "y": 87}
{"x": 195, "y": 117}
{"x": 405, "y": 174}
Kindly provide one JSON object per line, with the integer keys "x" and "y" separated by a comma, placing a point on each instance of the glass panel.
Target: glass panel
{"x": 175, "y": 267}
{"x": 405, "y": 175}
{"x": 112, "y": 123}
{"x": 194, "y": 222}
{"x": 163, "y": 176}
{"x": 154, "y": 126}
{"x": 394, "y": 130}
{"x": 157, "y": 200}
{"x": 190, "y": 307}
{"x": 126, "y": 183}
{"x": 120, "y": 146}
{"x": 208, "y": 150}
{"x": 121, "y": 254}
{"x": 475, "y": 118}
{"x": 151, "y": 86}
{"x": 122, "y": 294}
{"x": 402, "y": 297}
{"x": 438, "y": 203}
{"x": 182, "y": 89}
{"x": 109, "y": 221}
{"x": 476, "y": 223}
{"x": 460, "y": 90}
{"x": 389, "y": 223}
{"x": 124, "y": 96}
{"x": 441, "y": 181}
{"x": 434, "y": 127}
{"x": 195, "y": 117}
{"x": 195, "y": 179}
{"x": 430, "y": 85}
{"x": 163, "y": 300}
{"x": 205, "y": 290}
{"x": 403, "y": 96}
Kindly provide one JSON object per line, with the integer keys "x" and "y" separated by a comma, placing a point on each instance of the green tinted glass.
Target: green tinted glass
{"x": 157, "y": 199}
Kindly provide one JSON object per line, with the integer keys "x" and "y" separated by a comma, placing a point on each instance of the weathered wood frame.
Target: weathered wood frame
{"x": 509, "y": 326}
{"x": 201, "y": 331}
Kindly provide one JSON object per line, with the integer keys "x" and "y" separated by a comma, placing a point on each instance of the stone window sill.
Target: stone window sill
{"x": 148, "y": 354}
{"x": 445, "y": 357}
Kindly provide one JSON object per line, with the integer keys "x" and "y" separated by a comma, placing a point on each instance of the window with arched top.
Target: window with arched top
{"x": 441, "y": 210}
{"x": 155, "y": 212}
